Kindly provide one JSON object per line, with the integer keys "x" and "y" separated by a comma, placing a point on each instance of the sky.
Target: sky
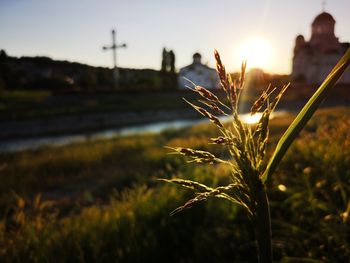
{"x": 76, "y": 30}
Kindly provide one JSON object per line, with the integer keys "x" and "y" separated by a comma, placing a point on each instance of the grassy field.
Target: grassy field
{"x": 100, "y": 201}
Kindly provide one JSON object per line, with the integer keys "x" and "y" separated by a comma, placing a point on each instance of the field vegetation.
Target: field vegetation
{"x": 100, "y": 201}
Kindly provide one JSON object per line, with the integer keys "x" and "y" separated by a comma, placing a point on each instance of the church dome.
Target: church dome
{"x": 323, "y": 18}
{"x": 300, "y": 39}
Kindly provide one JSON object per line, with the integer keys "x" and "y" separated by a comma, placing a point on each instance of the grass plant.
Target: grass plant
{"x": 247, "y": 147}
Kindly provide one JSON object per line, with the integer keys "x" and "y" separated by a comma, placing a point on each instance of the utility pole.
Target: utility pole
{"x": 114, "y": 48}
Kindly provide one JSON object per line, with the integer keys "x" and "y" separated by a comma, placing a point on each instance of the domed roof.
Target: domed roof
{"x": 323, "y": 17}
{"x": 197, "y": 55}
{"x": 300, "y": 38}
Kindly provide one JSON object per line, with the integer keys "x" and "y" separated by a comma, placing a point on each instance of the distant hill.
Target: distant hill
{"x": 44, "y": 73}
{"x": 66, "y": 77}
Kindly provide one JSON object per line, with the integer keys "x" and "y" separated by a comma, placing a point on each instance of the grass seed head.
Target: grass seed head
{"x": 203, "y": 196}
{"x": 220, "y": 68}
{"x": 205, "y": 113}
{"x": 222, "y": 140}
{"x": 197, "y": 156}
{"x": 207, "y": 94}
{"x": 213, "y": 107}
{"x": 188, "y": 184}
{"x": 242, "y": 75}
{"x": 247, "y": 148}
{"x": 259, "y": 103}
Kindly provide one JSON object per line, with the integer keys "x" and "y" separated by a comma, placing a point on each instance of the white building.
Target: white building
{"x": 314, "y": 59}
{"x": 199, "y": 74}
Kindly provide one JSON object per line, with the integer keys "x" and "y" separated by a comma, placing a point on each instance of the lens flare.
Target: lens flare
{"x": 257, "y": 51}
{"x": 251, "y": 119}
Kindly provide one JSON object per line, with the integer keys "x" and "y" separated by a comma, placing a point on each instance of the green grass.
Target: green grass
{"x": 94, "y": 166}
{"x": 109, "y": 208}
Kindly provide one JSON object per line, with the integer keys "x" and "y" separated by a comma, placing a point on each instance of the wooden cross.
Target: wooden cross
{"x": 114, "y": 48}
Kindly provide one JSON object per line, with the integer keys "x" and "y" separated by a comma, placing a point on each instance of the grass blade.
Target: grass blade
{"x": 305, "y": 114}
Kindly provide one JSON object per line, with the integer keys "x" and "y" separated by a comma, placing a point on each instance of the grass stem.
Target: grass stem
{"x": 263, "y": 225}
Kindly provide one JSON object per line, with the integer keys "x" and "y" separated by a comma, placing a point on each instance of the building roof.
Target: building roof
{"x": 195, "y": 66}
{"x": 323, "y": 17}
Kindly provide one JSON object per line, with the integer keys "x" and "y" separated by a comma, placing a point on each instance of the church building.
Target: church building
{"x": 199, "y": 74}
{"x": 314, "y": 59}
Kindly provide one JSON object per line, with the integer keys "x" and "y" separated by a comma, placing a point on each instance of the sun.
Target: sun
{"x": 257, "y": 51}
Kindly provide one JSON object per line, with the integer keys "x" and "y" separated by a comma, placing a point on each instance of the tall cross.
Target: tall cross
{"x": 114, "y": 48}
